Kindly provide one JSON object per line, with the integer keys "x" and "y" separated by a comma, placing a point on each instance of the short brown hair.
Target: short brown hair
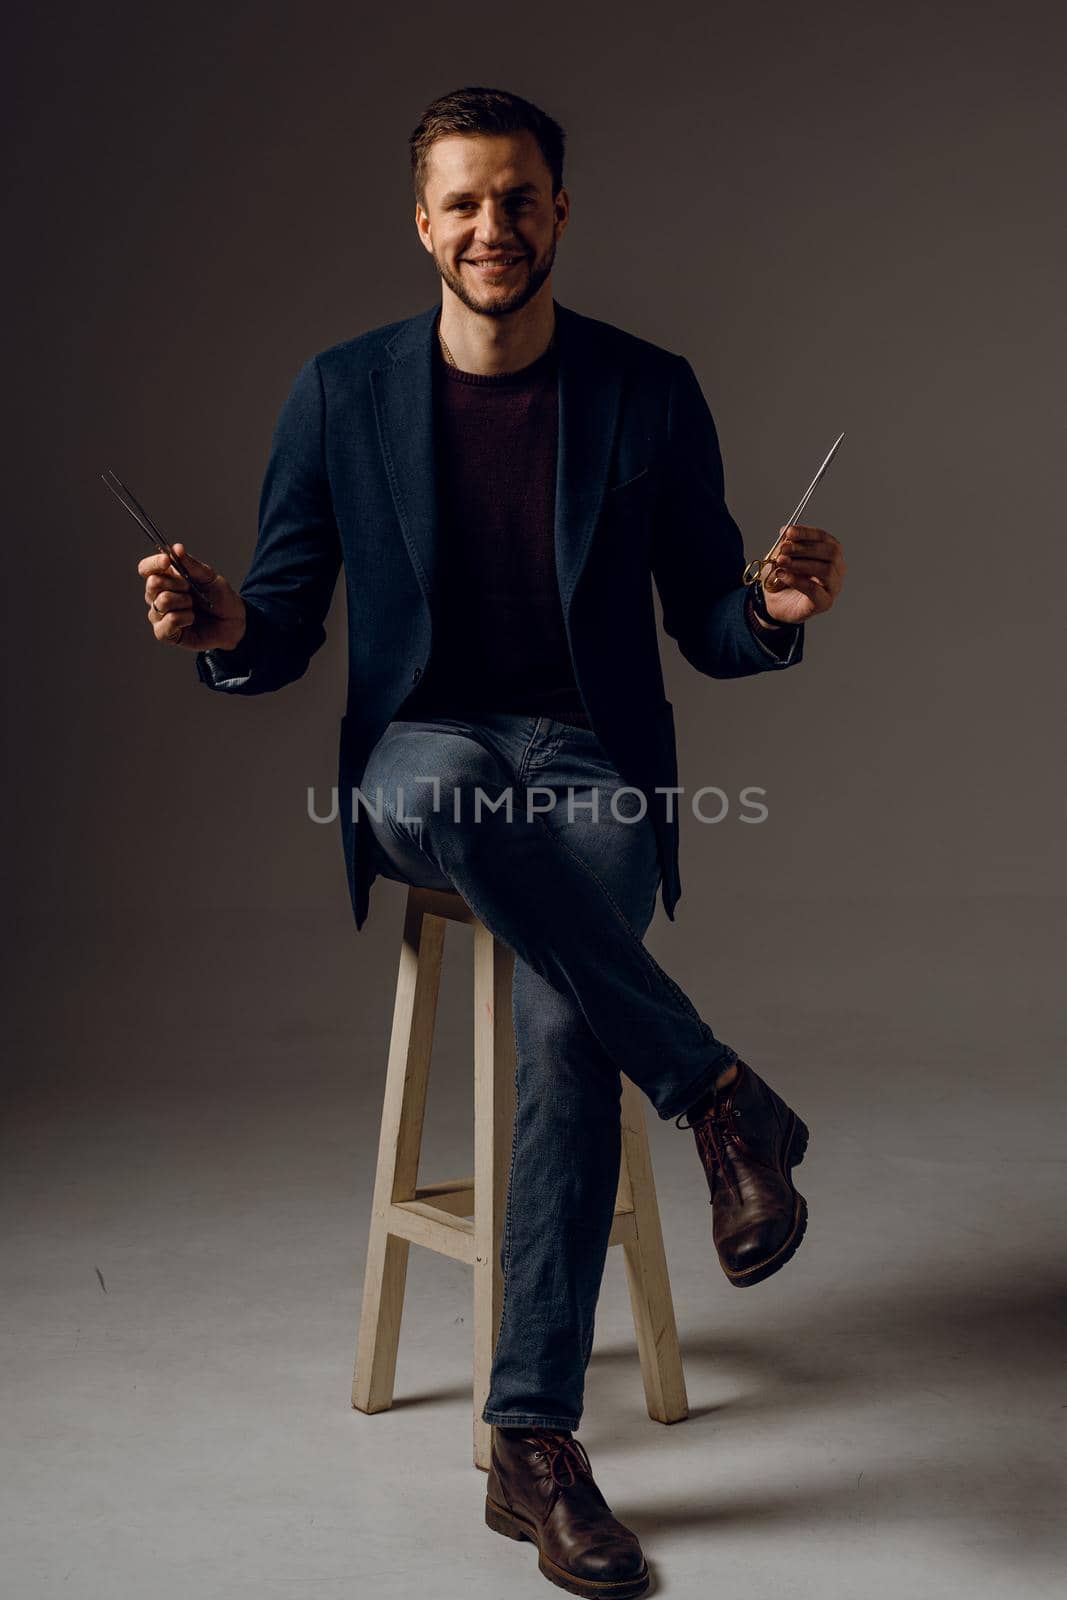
{"x": 478, "y": 110}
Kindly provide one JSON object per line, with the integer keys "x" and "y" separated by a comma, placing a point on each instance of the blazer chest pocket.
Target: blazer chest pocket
{"x": 626, "y": 505}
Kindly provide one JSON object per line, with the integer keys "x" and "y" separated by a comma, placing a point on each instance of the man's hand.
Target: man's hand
{"x": 177, "y": 617}
{"x": 809, "y": 571}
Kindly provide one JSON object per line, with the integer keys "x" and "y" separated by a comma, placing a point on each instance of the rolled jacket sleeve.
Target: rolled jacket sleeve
{"x": 231, "y": 669}
{"x": 781, "y": 643}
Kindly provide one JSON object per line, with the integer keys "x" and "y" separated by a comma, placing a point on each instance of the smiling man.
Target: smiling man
{"x": 502, "y": 481}
{"x": 489, "y": 280}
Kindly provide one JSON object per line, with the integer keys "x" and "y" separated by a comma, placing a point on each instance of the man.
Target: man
{"x": 500, "y": 478}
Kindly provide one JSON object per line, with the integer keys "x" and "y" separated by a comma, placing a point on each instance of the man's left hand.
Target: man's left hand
{"x": 809, "y": 572}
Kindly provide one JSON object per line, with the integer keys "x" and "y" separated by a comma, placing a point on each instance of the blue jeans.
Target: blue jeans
{"x": 572, "y": 892}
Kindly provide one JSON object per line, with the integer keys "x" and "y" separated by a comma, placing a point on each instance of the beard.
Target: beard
{"x": 500, "y": 305}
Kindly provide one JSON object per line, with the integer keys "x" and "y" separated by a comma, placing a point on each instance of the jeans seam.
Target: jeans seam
{"x": 526, "y": 756}
{"x": 506, "y": 1270}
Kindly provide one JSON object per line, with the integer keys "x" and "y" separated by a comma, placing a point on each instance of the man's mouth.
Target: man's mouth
{"x": 493, "y": 266}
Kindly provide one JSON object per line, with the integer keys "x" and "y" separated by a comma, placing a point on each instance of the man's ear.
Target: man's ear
{"x": 422, "y": 227}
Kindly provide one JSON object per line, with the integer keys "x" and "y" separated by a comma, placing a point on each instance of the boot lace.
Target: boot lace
{"x": 566, "y": 1457}
{"x": 718, "y": 1124}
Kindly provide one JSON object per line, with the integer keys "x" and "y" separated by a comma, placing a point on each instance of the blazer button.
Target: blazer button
{"x": 416, "y": 675}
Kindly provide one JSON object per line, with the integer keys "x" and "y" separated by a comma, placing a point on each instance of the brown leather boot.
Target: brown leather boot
{"x": 541, "y": 1488}
{"x": 749, "y": 1140}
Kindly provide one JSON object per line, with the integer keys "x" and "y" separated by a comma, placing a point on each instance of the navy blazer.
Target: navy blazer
{"x": 639, "y": 496}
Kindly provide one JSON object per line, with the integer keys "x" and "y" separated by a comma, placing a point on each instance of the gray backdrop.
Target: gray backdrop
{"x": 844, "y": 223}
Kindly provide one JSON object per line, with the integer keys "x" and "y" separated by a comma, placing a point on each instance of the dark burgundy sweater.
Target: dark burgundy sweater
{"x": 499, "y": 640}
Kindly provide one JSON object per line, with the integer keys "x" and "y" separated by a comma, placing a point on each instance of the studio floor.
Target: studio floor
{"x": 187, "y": 1173}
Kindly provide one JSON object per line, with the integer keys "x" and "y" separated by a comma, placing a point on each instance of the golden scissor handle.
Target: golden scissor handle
{"x": 753, "y": 573}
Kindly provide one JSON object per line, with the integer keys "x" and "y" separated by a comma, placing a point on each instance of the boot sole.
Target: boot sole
{"x": 798, "y": 1144}
{"x": 501, "y": 1520}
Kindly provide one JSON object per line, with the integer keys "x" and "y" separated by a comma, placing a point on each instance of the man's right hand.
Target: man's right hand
{"x": 176, "y": 617}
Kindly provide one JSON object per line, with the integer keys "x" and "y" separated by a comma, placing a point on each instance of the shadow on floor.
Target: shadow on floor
{"x": 963, "y": 1377}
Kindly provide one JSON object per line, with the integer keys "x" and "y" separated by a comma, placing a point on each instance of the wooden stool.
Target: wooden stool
{"x": 464, "y": 1217}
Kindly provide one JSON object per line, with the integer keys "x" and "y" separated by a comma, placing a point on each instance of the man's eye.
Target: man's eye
{"x": 465, "y": 205}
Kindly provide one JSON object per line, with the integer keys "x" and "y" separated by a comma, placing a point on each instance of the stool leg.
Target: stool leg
{"x": 494, "y": 1117}
{"x": 646, "y": 1270}
{"x": 399, "y": 1145}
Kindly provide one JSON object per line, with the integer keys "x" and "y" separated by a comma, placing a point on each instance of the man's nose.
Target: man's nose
{"x": 494, "y": 224}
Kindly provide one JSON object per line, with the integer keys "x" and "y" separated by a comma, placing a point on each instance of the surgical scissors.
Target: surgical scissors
{"x": 137, "y": 511}
{"x": 753, "y": 573}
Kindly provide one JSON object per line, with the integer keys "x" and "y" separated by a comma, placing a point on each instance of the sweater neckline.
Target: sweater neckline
{"x": 498, "y": 380}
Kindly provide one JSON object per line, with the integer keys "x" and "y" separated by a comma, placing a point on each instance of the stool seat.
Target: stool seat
{"x": 464, "y": 1217}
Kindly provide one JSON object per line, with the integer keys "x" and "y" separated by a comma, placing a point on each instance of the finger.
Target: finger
{"x": 818, "y": 572}
{"x": 157, "y": 563}
{"x": 837, "y": 569}
{"x": 160, "y": 584}
{"x": 813, "y": 566}
{"x": 812, "y": 588}
{"x": 813, "y": 556}
{"x": 172, "y": 632}
{"x": 196, "y": 569}
{"x": 816, "y": 537}
{"x": 811, "y": 549}
{"x": 167, "y": 621}
{"x": 824, "y": 545}
{"x": 163, "y": 604}
{"x": 798, "y": 533}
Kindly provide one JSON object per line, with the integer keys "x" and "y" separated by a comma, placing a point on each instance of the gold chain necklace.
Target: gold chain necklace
{"x": 450, "y": 358}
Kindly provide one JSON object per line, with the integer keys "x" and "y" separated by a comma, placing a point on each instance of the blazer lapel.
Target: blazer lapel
{"x": 590, "y": 387}
{"x": 403, "y": 404}
{"x": 589, "y": 399}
